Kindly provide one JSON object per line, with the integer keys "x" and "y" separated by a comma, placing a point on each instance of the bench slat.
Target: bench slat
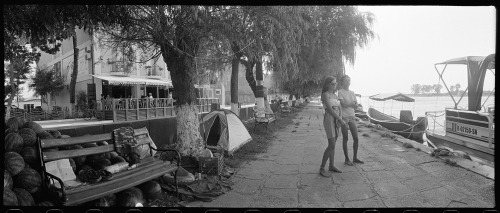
{"x": 146, "y": 162}
{"x": 57, "y": 155}
{"x": 117, "y": 184}
{"x": 49, "y": 143}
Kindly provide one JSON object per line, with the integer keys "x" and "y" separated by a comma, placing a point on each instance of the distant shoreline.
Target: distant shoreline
{"x": 442, "y": 94}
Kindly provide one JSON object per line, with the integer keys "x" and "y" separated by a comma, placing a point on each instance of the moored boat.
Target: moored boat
{"x": 470, "y": 130}
{"x": 405, "y": 125}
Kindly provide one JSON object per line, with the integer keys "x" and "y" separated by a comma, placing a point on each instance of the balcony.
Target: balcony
{"x": 120, "y": 68}
{"x": 154, "y": 72}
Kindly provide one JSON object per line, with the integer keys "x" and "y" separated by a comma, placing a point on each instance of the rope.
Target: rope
{"x": 434, "y": 116}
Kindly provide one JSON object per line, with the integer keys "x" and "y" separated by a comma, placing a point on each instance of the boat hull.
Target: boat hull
{"x": 456, "y": 144}
{"x": 393, "y": 124}
{"x": 361, "y": 114}
{"x": 467, "y": 131}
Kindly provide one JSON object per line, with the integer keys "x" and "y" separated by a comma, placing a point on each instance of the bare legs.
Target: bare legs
{"x": 345, "y": 137}
{"x": 329, "y": 153}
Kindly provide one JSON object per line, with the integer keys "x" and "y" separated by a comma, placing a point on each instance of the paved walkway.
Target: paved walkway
{"x": 392, "y": 176}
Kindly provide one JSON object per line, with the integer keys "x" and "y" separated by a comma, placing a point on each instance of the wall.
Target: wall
{"x": 163, "y": 131}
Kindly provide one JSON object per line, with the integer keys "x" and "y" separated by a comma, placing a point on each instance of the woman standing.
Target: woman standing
{"x": 331, "y": 122}
{"x": 349, "y": 103}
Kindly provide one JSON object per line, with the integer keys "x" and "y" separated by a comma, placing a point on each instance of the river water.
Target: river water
{"x": 422, "y": 105}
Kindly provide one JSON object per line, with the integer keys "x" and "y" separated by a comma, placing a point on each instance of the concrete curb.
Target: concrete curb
{"x": 474, "y": 165}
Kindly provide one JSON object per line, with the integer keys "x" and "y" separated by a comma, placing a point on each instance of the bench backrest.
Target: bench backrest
{"x": 141, "y": 135}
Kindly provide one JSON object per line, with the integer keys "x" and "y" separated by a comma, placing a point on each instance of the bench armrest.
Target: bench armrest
{"x": 169, "y": 150}
{"x": 63, "y": 190}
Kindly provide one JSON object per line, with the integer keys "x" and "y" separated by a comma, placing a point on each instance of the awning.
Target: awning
{"x": 127, "y": 80}
{"x": 392, "y": 96}
{"x": 468, "y": 59}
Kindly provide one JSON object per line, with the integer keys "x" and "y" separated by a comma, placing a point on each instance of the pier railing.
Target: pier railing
{"x": 121, "y": 109}
{"x": 130, "y": 109}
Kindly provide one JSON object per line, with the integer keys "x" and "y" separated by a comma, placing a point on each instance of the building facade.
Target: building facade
{"x": 103, "y": 72}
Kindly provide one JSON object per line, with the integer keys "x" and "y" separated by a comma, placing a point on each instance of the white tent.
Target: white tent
{"x": 224, "y": 128}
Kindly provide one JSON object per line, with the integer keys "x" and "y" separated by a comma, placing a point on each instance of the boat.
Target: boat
{"x": 405, "y": 125}
{"x": 471, "y": 129}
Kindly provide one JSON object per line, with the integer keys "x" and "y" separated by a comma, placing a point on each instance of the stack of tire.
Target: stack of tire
{"x": 22, "y": 174}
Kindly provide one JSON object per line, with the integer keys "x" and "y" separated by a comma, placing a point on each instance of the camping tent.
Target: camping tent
{"x": 224, "y": 128}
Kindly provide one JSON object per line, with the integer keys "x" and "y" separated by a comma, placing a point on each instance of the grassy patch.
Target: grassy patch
{"x": 450, "y": 162}
{"x": 388, "y": 135}
{"x": 366, "y": 135}
{"x": 261, "y": 138}
{"x": 408, "y": 145}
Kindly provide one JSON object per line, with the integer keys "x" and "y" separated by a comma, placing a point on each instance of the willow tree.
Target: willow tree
{"x": 176, "y": 34}
{"x": 257, "y": 32}
{"x": 335, "y": 34}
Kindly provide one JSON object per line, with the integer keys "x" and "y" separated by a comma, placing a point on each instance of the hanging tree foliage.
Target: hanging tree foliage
{"x": 334, "y": 34}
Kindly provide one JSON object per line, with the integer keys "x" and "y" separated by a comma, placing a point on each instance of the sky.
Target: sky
{"x": 411, "y": 39}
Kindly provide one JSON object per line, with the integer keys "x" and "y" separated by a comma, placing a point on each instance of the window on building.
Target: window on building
{"x": 217, "y": 91}
{"x": 57, "y": 68}
{"x": 29, "y": 107}
{"x": 210, "y": 93}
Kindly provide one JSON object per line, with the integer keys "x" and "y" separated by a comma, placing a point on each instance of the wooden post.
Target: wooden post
{"x": 147, "y": 108}
{"x": 137, "y": 107}
{"x": 156, "y": 104}
{"x": 126, "y": 109}
{"x": 113, "y": 102}
{"x": 165, "y": 107}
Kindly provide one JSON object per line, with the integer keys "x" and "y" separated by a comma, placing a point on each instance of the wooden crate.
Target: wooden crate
{"x": 212, "y": 165}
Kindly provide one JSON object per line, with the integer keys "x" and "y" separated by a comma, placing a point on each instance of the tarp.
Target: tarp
{"x": 476, "y": 71}
{"x": 392, "y": 96}
{"x": 127, "y": 80}
{"x": 224, "y": 128}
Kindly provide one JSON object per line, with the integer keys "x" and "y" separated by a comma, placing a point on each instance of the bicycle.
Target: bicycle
{"x": 90, "y": 113}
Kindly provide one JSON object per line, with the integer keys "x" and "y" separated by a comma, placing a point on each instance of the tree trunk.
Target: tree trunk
{"x": 74, "y": 74}
{"x": 250, "y": 77}
{"x": 235, "y": 68}
{"x": 234, "y": 85}
{"x": 182, "y": 70}
{"x": 259, "y": 85}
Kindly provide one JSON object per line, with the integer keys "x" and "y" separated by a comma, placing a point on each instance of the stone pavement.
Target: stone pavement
{"x": 393, "y": 176}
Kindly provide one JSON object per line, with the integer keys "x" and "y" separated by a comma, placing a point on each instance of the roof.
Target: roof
{"x": 133, "y": 80}
{"x": 392, "y": 96}
{"x": 463, "y": 60}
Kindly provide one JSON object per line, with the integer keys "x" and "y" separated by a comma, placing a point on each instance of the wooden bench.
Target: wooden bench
{"x": 149, "y": 168}
{"x": 259, "y": 120}
{"x": 284, "y": 108}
